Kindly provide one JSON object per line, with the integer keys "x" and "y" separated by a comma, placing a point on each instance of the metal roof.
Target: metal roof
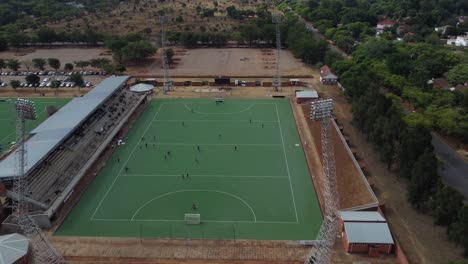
{"x": 307, "y": 94}
{"x": 370, "y": 233}
{"x": 361, "y": 216}
{"x": 12, "y": 248}
{"x": 54, "y": 130}
{"x": 141, "y": 87}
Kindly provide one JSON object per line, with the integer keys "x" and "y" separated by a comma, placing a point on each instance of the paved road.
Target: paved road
{"x": 454, "y": 172}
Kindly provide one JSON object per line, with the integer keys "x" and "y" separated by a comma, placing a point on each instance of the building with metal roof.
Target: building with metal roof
{"x": 141, "y": 88}
{"x": 361, "y": 216}
{"x": 360, "y": 237}
{"x": 14, "y": 248}
{"x": 54, "y": 130}
{"x": 306, "y": 96}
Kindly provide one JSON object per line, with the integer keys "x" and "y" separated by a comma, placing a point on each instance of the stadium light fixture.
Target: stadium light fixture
{"x": 26, "y": 108}
{"x": 321, "y": 109}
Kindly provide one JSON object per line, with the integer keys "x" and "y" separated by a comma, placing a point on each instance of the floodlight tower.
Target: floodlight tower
{"x": 43, "y": 252}
{"x": 322, "y": 110}
{"x": 165, "y": 62}
{"x": 276, "y": 18}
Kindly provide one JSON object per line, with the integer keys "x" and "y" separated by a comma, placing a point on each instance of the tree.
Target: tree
{"x": 27, "y": 64}
{"x": 458, "y": 74}
{"x": 39, "y": 63}
{"x": 33, "y": 78}
{"x": 120, "y": 68}
{"x": 415, "y": 140}
{"x": 446, "y": 205}
{"x": 46, "y": 35}
{"x": 77, "y": 79}
{"x": 423, "y": 179}
{"x": 3, "y": 44}
{"x": 15, "y": 84}
{"x": 3, "y": 64}
{"x": 68, "y": 67}
{"x": 82, "y": 64}
{"x": 13, "y": 64}
{"x": 55, "y": 84}
{"x": 99, "y": 62}
{"x": 138, "y": 51}
{"x": 459, "y": 230}
{"x": 54, "y": 63}
{"x": 18, "y": 40}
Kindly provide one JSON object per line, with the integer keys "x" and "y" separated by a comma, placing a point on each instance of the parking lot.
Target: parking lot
{"x": 90, "y": 78}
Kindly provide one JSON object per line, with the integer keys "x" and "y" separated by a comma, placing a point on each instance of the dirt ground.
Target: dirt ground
{"x": 230, "y": 62}
{"x": 422, "y": 241}
{"x": 353, "y": 189}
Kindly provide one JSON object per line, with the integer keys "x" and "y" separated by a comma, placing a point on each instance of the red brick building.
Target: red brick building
{"x": 306, "y": 96}
{"x": 326, "y": 76}
{"x": 365, "y": 232}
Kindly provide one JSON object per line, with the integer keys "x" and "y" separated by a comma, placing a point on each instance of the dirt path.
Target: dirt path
{"x": 422, "y": 241}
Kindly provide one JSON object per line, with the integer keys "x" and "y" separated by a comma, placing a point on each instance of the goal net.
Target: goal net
{"x": 192, "y": 219}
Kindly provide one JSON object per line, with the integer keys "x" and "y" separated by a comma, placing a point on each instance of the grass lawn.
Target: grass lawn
{"x": 247, "y": 176}
{"x": 8, "y": 117}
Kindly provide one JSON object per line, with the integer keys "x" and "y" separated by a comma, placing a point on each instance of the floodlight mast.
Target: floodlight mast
{"x": 276, "y": 19}
{"x": 164, "y": 59}
{"x": 43, "y": 251}
{"x": 322, "y": 110}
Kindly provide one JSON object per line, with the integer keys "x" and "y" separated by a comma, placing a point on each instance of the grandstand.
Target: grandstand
{"x": 63, "y": 147}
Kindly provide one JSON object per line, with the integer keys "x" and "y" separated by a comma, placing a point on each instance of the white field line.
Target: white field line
{"x": 131, "y": 154}
{"x": 180, "y": 191}
{"x": 287, "y": 164}
{"x": 209, "y": 144}
{"x": 224, "y": 120}
{"x": 175, "y": 220}
{"x": 205, "y": 175}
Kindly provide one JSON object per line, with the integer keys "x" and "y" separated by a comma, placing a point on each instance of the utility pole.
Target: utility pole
{"x": 276, "y": 17}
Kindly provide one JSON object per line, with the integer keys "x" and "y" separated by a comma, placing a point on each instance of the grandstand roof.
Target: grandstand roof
{"x": 54, "y": 130}
{"x": 13, "y": 247}
{"x": 361, "y": 216}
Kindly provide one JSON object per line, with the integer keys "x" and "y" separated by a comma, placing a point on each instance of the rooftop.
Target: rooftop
{"x": 307, "y": 94}
{"x": 361, "y": 216}
{"x": 54, "y": 130}
{"x": 326, "y": 72}
{"x": 371, "y": 233}
{"x": 13, "y": 247}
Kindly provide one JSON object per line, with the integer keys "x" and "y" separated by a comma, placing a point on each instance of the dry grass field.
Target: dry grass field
{"x": 143, "y": 16}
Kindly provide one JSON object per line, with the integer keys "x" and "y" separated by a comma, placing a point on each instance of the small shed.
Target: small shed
{"x": 306, "y": 96}
{"x": 372, "y": 238}
{"x": 14, "y": 249}
{"x": 327, "y": 76}
{"x": 294, "y": 82}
